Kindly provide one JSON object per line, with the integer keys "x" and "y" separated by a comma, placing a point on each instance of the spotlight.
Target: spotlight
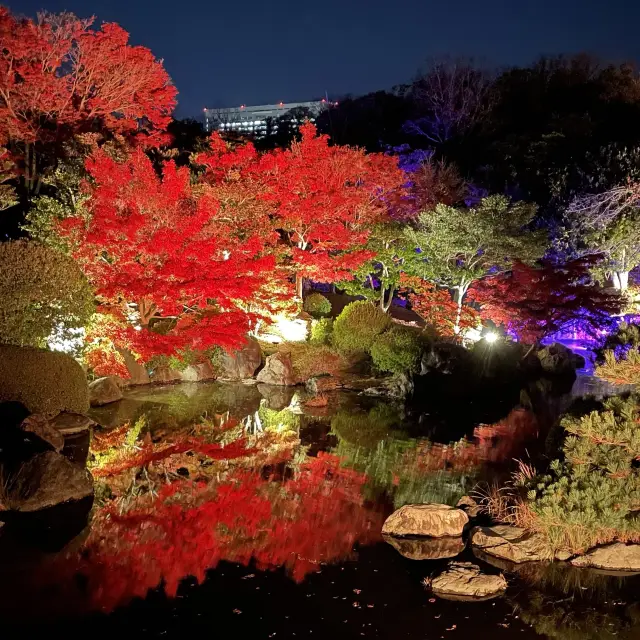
{"x": 490, "y": 337}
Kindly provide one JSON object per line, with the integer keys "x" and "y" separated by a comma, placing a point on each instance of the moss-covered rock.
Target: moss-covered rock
{"x": 43, "y": 381}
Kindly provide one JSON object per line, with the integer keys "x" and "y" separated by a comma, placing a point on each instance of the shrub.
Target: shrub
{"x": 621, "y": 369}
{"x": 397, "y": 350}
{"x": 42, "y": 292}
{"x": 592, "y": 496}
{"x": 309, "y": 360}
{"x": 357, "y": 326}
{"x": 321, "y": 331}
{"x": 620, "y": 342}
{"x": 317, "y": 305}
{"x": 43, "y": 381}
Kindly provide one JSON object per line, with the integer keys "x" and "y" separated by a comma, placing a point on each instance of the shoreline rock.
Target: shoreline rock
{"x": 430, "y": 520}
{"x": 426, "y": 548}
{"x": 612, "y": 557}
{"x": 465, "y": 581}
{"x": 510, "y": 543}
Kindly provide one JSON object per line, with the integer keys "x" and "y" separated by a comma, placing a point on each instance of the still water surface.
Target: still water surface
{"x": 260, "y": 516}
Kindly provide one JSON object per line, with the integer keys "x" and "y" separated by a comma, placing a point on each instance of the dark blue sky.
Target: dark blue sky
{"x": 225, "y": 52}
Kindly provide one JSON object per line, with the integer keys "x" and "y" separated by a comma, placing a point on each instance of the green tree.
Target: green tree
{"x": 456, "y": 246}
{"x": 43, "y": 293}
{"x": 379, "y": 278}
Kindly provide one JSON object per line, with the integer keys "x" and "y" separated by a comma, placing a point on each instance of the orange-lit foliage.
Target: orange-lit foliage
{"x": 59, "y": 77}
{"x": 494, "y": 443}
{"x": 159, "y": 247}
{"x": 436, "y": 306}
{"x": 315, "y": 517}
{"x": 325, "y": 200}
{"x": 536, "y": 302}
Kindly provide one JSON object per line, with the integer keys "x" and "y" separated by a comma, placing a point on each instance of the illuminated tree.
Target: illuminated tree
{"x": 325, "y": 201}
{"x": 458, "y": 246}
{"x": 171, "y": 259}
{"x": 537, "y": 302}
{"x": 59, "y": 77}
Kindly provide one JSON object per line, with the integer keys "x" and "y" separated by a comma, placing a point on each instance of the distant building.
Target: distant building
{"x": 260, "y": 119}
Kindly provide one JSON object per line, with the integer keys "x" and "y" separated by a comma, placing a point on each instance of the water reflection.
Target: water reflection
{"x": 189, "y": 476}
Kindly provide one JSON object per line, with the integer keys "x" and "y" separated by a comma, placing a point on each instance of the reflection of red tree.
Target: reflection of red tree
{"x": 314, "y": 518}
{"x": 493, "y": 443}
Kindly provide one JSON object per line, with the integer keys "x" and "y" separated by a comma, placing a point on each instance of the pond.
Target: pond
{"x": 259, "y": 515}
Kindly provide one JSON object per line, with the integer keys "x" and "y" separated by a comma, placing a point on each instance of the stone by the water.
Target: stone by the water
{"x": 465, "y": 580}
{"x": 510, "y": 543}
{"x": 612, "y": 557}
{"x": 432, "y": 520}
{"x": 104, "y": 391}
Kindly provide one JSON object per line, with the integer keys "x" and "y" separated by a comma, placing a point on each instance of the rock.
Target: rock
{"x": 469, "y": 506}
{"x": 445, "y": 358}
{"x": 198, "y": 372}
{"x": 558, "y": 360}
{"x": 278, "y": 398}
{"x": 41, "y": 426}
{"x": 243, "y": 363}
{"x": 165, "y": 374}
{"x": 45, "y": 480}
{"x": 69, "y": 424}
{"x": 432, "y": 520}
{"x": 138, "y": 373}
{"x": 510, "y": 543}
{"x": 104, "y": 391}
{"x": 612, "y": 557}
{"x": 466, "y": 580}
{"x": 277, "y": 370}
{"x": 397, "y": 386}
{"x": 426, "y": 548}
{"x": 43, "y": 381}
{"x": 322, "y": 384}
{"x": 562, "y": 555}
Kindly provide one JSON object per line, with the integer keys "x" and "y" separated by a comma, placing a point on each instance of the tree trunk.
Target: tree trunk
{"x": 620, "y": 280}
{"x": 386, "y": 298}
{"x": 459, "y": 296}
{"x": 299, "y": 286}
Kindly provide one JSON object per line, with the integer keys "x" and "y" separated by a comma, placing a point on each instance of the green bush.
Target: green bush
{"x": 43, "y": 381}
{"x": 42, "y": 292}
{"x": 317, "y": 305}
{"x": 397, "y": 350}
{"x": 592, "y": 496}
{"x": 321, "y": 331}
{"x": 357, "y": 326}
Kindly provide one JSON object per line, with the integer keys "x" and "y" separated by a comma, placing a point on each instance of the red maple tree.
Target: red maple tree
{"x": 59, "y": 77}
{"x": 536, "y": 302}
{"x": 325, "y": 200}
{"x": 436, "y": 306}
{"x": 172, "y": 260}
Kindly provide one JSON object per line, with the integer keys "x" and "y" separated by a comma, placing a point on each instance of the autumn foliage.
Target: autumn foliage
{"x": 325, "y": 200}
{"x": 59, "y": 77}
{"x": 436, "y": 306}
{"x": 171, "y": 259}
{"x": 536, "y": 302}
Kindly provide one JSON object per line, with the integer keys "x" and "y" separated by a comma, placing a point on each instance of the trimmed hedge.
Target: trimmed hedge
{"x": 397, "y": 350}
{"x": 321, "y": 331}
{"x": 317, "y": 305}
{"x": 43, "y": 381}
{"x": 358, "y": 325}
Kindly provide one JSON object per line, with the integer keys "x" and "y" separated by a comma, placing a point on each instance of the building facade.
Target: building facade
{"x": 259, "y": 120}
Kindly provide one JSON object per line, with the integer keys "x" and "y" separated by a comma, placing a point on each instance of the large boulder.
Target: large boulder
{"x": 198, "y": 372}
{"x": 71, "y": 424}
{"x": 165, "y": 374}
{"x": 243, "y": 363}
{"x": 138, "y": 373}
{"x": 556, "y": 359}
{"x": 43, "y": 381}
{"x": 45, "y": 480}
{"x": 612, "y": 557}
{"x": 398, "y": 386}
{"x": 465, "y": 580}
{"x": 40, "y": 426}
{"x": 426, "y": 548}
{"x": 445, "y": 358}
{"x": 432, "y": 520}
{"x": 511, "y": 543}
{"x": 278, "y": 370}
{"x": 104, "y": 391}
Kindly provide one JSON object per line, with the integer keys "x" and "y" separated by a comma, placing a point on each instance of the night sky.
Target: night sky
{"x": 224, "y": 53}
